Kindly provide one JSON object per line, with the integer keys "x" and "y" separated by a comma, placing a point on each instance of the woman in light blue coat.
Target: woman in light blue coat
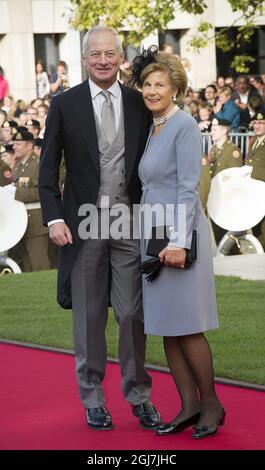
{"x": 180, "y": 304}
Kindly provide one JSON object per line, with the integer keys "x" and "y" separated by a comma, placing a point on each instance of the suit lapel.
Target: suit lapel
{"x": 132, "y": 125}
{"x": 84, "y": 113}
{"x": 85, "y": 117}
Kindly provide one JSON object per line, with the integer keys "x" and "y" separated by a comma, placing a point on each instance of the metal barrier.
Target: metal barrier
{"x": 241, "y": 140}
{"x": 8, "y": 265}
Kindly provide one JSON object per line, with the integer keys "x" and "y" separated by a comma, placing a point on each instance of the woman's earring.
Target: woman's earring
{"x": 174, "y": 99}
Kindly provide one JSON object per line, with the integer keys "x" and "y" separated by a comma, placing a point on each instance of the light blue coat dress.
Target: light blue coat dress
{"x": 179, "y": 302}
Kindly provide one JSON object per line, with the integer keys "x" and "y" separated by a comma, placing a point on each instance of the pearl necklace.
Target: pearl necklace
{"x": 162, "y": 119}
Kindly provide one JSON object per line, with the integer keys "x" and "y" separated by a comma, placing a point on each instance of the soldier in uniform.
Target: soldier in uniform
{"x": 8, "y": 130}
{"x": 37, "y": 146}
{"x": 256, "y": 159}
{"x": 31, "y": 253}
{"x": 5, "y": 170}
{"x": 33, "y": 126}
{"x": 205, "y": 182}
{"x": 223, "y": 154}
{"x": 8, "y": 156}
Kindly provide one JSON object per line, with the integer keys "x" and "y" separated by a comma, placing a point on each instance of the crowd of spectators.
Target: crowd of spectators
{"x": 18, "y": 115}
{"x": 235, "y": 99}
{"x": 232, "y": 100}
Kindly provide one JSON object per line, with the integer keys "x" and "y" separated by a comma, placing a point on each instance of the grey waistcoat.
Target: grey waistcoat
{"x": 112, "y": 166}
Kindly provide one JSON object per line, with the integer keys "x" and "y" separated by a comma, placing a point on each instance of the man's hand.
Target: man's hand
{"x": 173, "y": 257}
{"x": 60, "y": 234}
{"x": 241, "y": 105}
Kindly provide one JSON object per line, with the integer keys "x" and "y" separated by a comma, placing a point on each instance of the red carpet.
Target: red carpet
{"x": 40, "y": 409}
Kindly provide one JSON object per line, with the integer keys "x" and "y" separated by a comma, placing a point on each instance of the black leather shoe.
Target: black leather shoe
{"x": 171, "y": 428}
{"x": 148, "y": 415}
{"x": 205, "y": 431}
{"x": 98, "y": 418}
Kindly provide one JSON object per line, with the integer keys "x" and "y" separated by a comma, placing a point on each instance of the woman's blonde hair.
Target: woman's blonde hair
{"x": 170, "y": 64}
{"x": 226, "y": 90}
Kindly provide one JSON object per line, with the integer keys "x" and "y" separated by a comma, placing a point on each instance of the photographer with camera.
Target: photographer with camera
{"x": 60, "y": 82}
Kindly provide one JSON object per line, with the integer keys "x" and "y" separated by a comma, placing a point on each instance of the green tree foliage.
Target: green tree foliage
{"x": 143, "y": 17}
{"x": 248, "y": 12}
{"x": 140, "y": 16}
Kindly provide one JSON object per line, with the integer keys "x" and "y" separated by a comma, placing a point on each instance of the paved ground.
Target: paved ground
{"x": 244, "y": 266}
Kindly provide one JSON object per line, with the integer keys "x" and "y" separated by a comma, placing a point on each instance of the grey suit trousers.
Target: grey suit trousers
{"x": 90, "y": 298}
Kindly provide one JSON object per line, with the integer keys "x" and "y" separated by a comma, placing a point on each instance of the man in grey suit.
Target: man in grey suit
{"x": 102, "y": 127}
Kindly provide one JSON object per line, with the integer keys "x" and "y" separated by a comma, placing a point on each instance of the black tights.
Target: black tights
{"x": 190, "y": 361}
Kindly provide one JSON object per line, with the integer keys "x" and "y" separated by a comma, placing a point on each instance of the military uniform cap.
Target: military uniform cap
{"x": 220, "y": 122}
{"x": 9, "y": 148}
{"x": 38, "y": 142}
{"x": 22, "y": 128}
{"x": 23, "y": 136}
{"x": 259, "y": 115}
{"x": 13, "y": 124}
{"x": 33, "y": 122}
{"x": 8, "y": 124}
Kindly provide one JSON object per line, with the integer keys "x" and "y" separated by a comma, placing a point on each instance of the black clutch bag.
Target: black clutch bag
{"x": 158, "y": 241}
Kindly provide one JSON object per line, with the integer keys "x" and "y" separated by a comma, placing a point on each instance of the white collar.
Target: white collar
{"x": 244, "y": 94}
{"x": 95, "y": 89}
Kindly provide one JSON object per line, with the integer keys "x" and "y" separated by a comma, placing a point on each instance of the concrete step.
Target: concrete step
{"x": 244, "y": 266}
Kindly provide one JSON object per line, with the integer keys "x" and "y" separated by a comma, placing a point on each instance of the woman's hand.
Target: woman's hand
{"x": 217, "y": 107}
{"x": 204, "y": 125}
{"x": 173, "y": 257}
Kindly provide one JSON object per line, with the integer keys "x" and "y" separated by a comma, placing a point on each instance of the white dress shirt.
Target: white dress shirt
{"x": 244, "y": 97}
{"x": 97, "y": 101}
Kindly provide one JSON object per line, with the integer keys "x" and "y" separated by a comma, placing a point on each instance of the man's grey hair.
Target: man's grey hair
{"x": 100, "y": 29}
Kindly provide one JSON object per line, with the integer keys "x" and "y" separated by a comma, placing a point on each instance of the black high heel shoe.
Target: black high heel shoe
{"x": 204, "y": 431}
{"x": 171, "y": 428}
